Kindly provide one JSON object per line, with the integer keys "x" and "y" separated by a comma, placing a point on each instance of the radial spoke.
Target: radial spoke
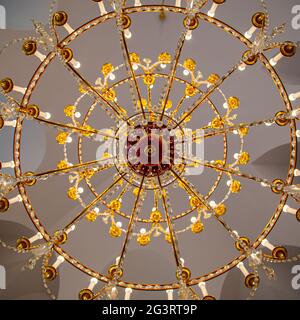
{"x": 130, "y": 68}
{"x": 149, "y": 100}
{"x": 83, "y": 131}
{"x": 64, "y": 126}
{"x": 192, "y": 8}
{"x": 170, "y": 226}
{"x": 207, "y": 94}
{"x": 176, "y": 110}
{"x": 205, "y": 204}
{"x": 119, "y": 6}
{"x": 100, "y": 293}
{"x": 166, "y": 93}
{"x": 99, "y": 97}
{"x": 62, "y": 171}
{"x": 218, "y": 132}
{"x": 131, "y": 224}
{"x": 231, "y": 171}
{"x": 93, "y": 203}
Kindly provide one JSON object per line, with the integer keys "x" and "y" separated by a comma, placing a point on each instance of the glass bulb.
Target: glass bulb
{"x": 186, "y": 72}
{"x": 7, "y": 184}
{"x": 112, "y": 77}
{"x": 189, "y": 35}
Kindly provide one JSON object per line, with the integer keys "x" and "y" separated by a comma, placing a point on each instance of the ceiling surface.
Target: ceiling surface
{"x": 248, "y": 212}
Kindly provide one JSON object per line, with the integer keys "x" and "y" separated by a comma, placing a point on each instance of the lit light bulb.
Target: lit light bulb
{"x": 71, "y": 229}
{"x": 297, "y": 172}
{"x": 294, "y": 96}
{"x": 212, "y": 204}
{"x": 193, "y": 220}
{"x": 80, "y": 190}
{"x": 247, "y": 35}
{"x": 182, "y": 261}
{"x": 268, "y": 124}
{"x": 128, "y": 34}
{"x": 128, "y": 292}
{"x": 263, "y": 184}
{"x": 112, "y": 77}
{"x": 189, "y": 35}
{"x": 212, "y": 11}
{"x": 47, "y": 115}
{"x": 273, "y": 62}
{"x": 186, "y": 72}
{"x": 119, "y": 224}
{"x": 76, "y": 64}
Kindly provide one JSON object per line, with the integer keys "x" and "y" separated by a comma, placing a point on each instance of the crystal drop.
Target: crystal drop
{"x": 157, "y": 233}
{"x": 183, "y": 292}
{"x": 7, "y": 184}
{"x": 41, "y": 250}
{"x": 8, "y": 111}
{"x": 293, "y": 189}
{"x": 30, "y": 265}
{"x": 112, "y": 292}
{"x": 255, "y": 258}
{"x": 270, "y": 273}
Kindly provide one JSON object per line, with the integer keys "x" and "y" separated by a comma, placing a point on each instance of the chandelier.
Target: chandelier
{"x": 149, "y": 150}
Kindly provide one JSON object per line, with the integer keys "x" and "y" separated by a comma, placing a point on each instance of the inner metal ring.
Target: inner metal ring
{"x": 176, "y": 216}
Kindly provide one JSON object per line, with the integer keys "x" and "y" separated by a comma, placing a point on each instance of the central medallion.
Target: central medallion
{"x": 150, "y": 149}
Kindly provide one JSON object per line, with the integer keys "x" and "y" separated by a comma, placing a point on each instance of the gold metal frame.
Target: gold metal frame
{"x": 33, "y": 83}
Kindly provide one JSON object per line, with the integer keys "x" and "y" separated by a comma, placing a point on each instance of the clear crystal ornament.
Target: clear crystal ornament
{"x": 183, "y": 292}
{"x": 255, "y": 258}
{"x": 42, "y": 249}
{"x": 37, "y": 253}
{"x": 270, "y": 273}
{"x": 7, "y": 184}
{"x": 112, "y": 292}
{"x": 156, "y": 233}
{"x": 9, "y": 111}
{"x": 45, "y": 41}
{"x": 292, "y": 189}
{"x": 263, "y": 40}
